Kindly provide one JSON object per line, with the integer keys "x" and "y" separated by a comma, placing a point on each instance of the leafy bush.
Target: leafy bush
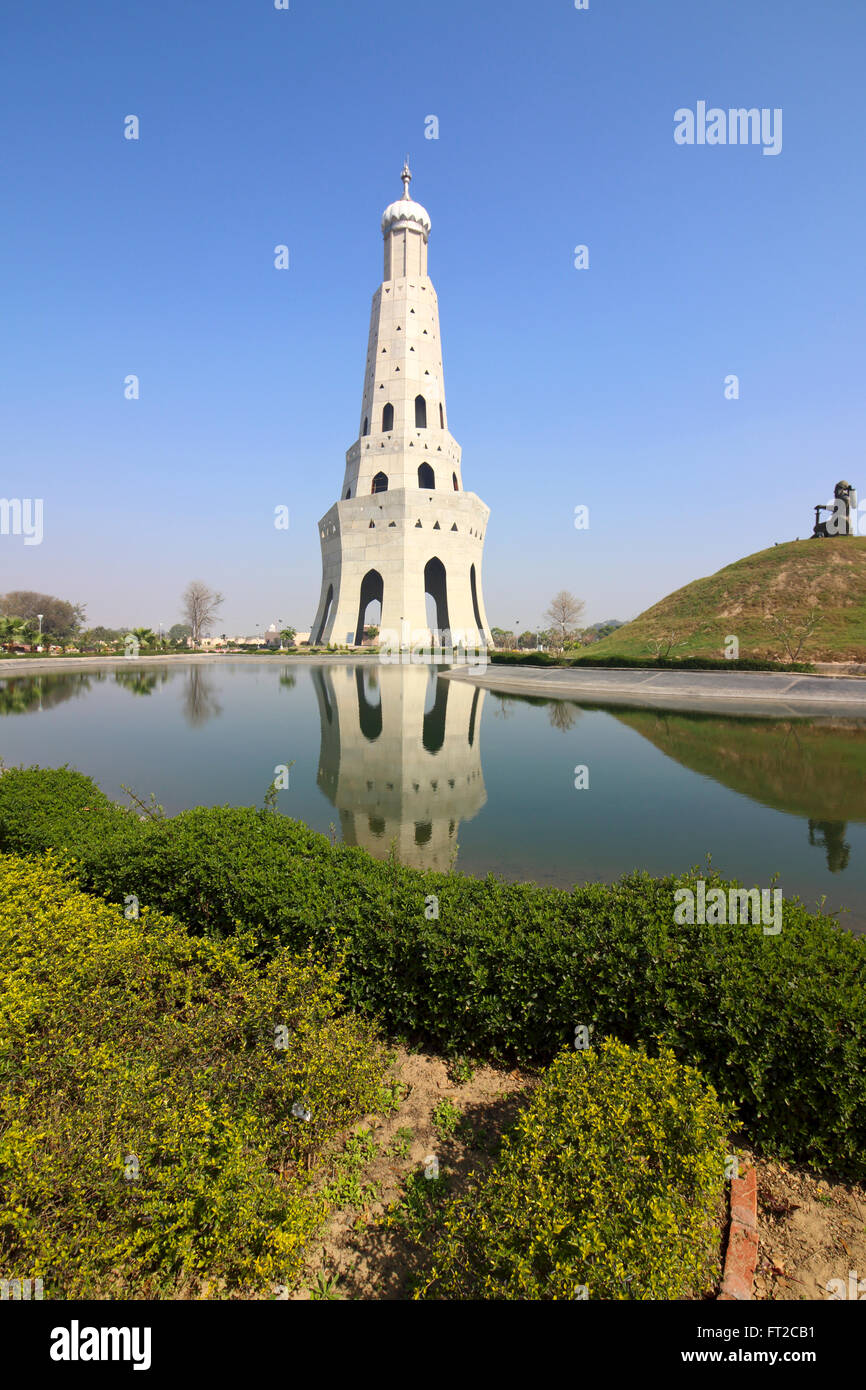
{"x": 153, "y": 1126}
{"x": 667, "y": 663}
{"x": 777, "y": 1023}
{"x": 610, "y": 1182}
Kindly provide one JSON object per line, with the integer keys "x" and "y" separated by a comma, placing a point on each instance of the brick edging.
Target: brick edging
{"x": 741, "y": 1255}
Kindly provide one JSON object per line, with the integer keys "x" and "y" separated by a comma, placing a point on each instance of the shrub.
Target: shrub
{"x": 610, "y": 1182}
{"x": 667, "y": 663}
{"x": 148, "y": 1140}
{"x": 777, "y": 1023}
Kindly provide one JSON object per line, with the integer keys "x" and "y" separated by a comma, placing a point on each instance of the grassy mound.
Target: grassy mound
{"x": 788, "y": 581}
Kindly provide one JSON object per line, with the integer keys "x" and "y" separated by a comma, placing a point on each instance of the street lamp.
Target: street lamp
{"x": 40, "y": 617}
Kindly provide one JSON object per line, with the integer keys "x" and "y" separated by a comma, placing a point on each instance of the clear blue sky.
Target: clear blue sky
{"x": 602, "y": 387}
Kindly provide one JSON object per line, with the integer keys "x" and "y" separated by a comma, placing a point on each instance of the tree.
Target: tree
{"x": 288, "y": 635}
{"x": 528, "y": 639}
{"x": 502, "y": 638}
{"x": 200, "y": 607}
{"x": 12, "y": 631}
{"x": 60, "y": 618}
{"x": 145, "y": 635}
{"x": 793, "y": 632}
{"x": 371, "y": 632}
{"x": 563, "y": 615}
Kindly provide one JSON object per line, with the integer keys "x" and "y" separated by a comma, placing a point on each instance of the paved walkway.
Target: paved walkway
{"x": 753, "y": 692}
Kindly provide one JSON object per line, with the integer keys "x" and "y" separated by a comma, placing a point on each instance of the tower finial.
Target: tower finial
{"x": 406, "y": 176}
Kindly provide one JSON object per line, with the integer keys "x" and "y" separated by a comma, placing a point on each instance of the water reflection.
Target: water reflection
{"x": 400, "y": 758}
{"x": 200, "y": 702}
{"x": 811, "y": 768}
{"x": 141, "y": 681}
{"x": 29, "y": 694}
{"x": 830, "y": 835}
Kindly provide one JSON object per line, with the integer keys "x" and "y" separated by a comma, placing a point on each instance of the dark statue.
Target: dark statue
{"x": 842, "y": 518}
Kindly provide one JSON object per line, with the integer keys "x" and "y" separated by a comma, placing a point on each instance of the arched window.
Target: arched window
{"x": 454, "y": 481}
{"x": 348, "y": 492}
{"x": 366, "y": 429}
{"x": 441, "y": 416}
{"x": 380, "y": 483}
{"x": 388, "y": 418}
{"x": 420, "y": 413}
{"x": 426, "y": 476}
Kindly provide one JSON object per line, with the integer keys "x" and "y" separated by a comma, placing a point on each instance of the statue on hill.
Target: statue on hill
{"x": 841, "y": 521}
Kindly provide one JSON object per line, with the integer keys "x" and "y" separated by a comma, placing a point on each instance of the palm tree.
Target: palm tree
{"x": 13, "y": 630}
{"x": 145, "y": 635}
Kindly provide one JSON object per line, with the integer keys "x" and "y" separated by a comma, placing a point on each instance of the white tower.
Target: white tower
{"x": 404, "y": 528}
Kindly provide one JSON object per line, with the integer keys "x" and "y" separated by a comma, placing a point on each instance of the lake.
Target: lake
{"x": 453, "y": 775}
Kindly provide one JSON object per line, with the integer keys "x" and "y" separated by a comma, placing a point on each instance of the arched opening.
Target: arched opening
{"x": 436, "y": 588}
{"x": 420, "y": 413}
{"x": 441, "y": 417}
{"x": 423, "y": 832}
{"x": 475, "y": 609}
{"x": 472, "y": 714}
{"x": 426, "y": 476}
{"x": 327, "y": 613}
{"x": 387, "y": 418}
{"x": 433, "y": 733}
{"x": 454, "y": 481}
{"x": 372, "y": 591}
{"x": 348, "y": 493}
{"x": 380, "y": 483}
{"x": 366, "y": 429}
{"x": 369, "y": 710}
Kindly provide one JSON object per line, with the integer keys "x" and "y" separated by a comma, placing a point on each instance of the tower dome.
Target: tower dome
{"x": 405, "y": 210}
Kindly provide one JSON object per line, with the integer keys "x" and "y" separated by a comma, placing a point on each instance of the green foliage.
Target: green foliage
{"x": 446, "y": 1117}
{"x": 667, "y": 663}
{"x": 156, "y": 1130}
{"x": 777, "y": 1023}
{"x": 610, "y": 1181}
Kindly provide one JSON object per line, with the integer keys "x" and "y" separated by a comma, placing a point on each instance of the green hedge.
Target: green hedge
{"x": 609, "y": 1186}
{"x": 649, "y": 662}
{"x": 506, "y": 971}
{"x": 148, "y": 1138}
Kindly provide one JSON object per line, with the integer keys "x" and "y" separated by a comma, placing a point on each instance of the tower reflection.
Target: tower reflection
{"x": 400, "y": 758}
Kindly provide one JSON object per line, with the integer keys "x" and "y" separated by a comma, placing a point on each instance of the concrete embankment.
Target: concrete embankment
{"x": 777, "y": 694}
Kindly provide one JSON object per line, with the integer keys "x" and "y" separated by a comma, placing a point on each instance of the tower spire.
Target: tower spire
{"x": 406, "y": 176}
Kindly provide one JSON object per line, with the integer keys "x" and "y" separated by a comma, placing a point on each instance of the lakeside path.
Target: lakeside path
{"x": 774, "y": 694}
{"x": 36, "y": 666}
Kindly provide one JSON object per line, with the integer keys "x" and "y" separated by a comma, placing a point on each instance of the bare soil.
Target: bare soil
{"x": 372, "y": 1261}
{"x": 810, "y": 1232}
